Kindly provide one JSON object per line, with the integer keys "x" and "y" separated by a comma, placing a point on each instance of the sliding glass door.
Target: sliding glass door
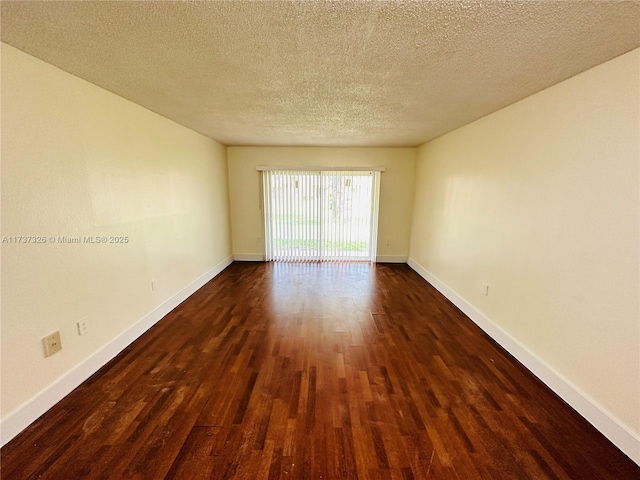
{"x": 321, "y": 215}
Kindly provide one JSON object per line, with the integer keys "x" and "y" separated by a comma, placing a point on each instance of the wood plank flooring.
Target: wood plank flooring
{"x": 313, "y": 371}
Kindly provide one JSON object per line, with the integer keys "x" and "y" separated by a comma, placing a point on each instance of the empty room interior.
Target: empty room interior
{"x": 320, "y": 240}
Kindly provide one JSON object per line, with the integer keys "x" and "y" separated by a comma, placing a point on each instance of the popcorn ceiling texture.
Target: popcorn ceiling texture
{"x": 349, "y": 73}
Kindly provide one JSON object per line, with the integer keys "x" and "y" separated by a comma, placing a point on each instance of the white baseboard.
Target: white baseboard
{"x": 248, "y": 257}
{"x": 259, "y": 257}
{"x": 32, "y": 409}
{"x": 619, "y": 434}
{"x": 391, "y": 259}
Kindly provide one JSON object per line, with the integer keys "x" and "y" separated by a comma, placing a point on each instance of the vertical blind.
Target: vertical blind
{"x": 320, "y": 215}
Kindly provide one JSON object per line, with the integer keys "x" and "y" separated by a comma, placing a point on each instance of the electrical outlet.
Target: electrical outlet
{"x": 83, "y": 326}
{"x": 153, "y": 285}
{"x": 52, "y": 343}
{"x": 485, "y": 289}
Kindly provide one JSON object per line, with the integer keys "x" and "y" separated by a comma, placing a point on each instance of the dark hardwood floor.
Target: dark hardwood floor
{"x": 313, "y": 371}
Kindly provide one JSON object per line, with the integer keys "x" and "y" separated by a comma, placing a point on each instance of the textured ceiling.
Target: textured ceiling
{"x": 391, "y": 73}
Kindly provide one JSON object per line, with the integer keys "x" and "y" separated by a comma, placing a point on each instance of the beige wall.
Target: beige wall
{"x": 396, "y": 190}
{"x": 80, "y": 161}
{"x": 540, "y": 200}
